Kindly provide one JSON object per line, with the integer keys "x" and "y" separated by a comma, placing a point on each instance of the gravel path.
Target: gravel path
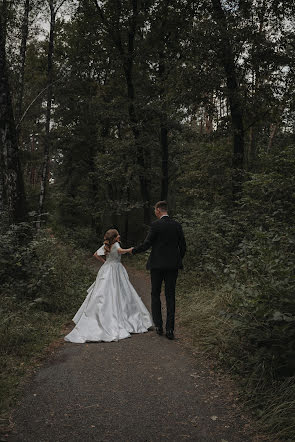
{"x": 144, "y": 388}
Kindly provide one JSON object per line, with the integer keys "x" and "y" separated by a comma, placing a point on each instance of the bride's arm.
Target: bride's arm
{"x": 99, "y": 257}
{"x": 122, "y": 251}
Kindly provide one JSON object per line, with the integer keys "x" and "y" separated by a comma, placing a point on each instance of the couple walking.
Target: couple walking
{"x": 112, "y": 309}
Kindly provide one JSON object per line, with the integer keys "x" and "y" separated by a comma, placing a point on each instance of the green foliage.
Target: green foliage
{"x": 211, "y": 237}
{"x": 43, "y": 283}
{"x": 242, "y": 307}
{"x": 40, "y": 269}
{"x": 206, "y": 171}
{"x": 230, "y": 336}
{"x": 24, "y": 332}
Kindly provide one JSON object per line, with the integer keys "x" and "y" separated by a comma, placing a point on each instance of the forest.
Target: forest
{"x": 108, "y": 106}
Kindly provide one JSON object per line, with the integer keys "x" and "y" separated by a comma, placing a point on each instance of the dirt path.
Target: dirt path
{"x": 145, "y": 388}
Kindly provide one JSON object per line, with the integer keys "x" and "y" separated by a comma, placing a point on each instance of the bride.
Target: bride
{"x": 112, "y": 309}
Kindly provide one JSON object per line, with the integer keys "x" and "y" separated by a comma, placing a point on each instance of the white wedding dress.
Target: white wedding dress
{"x": 112, "y": 309}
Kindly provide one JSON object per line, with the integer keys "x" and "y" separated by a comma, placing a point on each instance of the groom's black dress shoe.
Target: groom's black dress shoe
{"x": 170, "y": 334}
{"x": 159, "y": 330}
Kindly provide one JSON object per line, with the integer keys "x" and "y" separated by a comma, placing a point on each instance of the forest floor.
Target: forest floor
{"x": 144, "y": 388}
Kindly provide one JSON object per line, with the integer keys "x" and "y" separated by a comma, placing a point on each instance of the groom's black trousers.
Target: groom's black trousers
{"x": 169, "y": 276}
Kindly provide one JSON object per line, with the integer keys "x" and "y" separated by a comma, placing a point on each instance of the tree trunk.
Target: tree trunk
{"x": 208, "y": 123}
{"x": 163, "y": 131}
{"x": 255, "y": 128}
{"x": 235, "y": 105}
{"x": 23, "y": 49}
{"x": 14, "y": 194}
{"x": 126, "y": 193}
{"x": 251, "y": 147}
{"x": 144, "y": 181}
{"x": 165, "y": 158}
{"x": 94, "y": 182}
{"x": 32, "y": 170}
{"x": 3, "y": 18}
{"x": 47, "y": 141}
{"x": 273, "y": 131}
{"x": 2, "y": 204}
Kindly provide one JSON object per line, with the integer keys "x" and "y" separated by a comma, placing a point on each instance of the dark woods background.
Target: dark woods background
{"x": 107, "y": 107}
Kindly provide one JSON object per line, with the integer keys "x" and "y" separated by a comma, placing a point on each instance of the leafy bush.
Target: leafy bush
{"x": 242, "y": 307}
{"x": 43, "y": 282}
{"x": 210, "y": 236}
{"x": 40, "y": 268}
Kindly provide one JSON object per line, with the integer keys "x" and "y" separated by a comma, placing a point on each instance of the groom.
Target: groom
{"x": 168, "y": 248}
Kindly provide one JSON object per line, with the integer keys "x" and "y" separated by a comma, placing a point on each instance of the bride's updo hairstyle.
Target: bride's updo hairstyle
{"x": 109, "y": 239}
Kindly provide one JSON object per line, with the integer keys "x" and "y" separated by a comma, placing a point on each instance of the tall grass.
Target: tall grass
{"x": 44, "y": 282}
{"x": 207, "y": 312}
{"x": 24, "y": 333}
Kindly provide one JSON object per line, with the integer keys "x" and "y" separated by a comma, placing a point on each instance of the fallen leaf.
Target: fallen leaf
{"x": 194, "y": 421}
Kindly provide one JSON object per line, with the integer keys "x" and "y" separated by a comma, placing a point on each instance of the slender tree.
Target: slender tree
{"x": 23, "y": 49}
{"x": 233, "y": 93}
{"x": 54, "y": 8}
{"x": 164, "y": 35}
{"x": 14, "y": 195}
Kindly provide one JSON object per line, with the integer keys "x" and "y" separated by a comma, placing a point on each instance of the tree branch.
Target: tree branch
{"x": 31, "y": 104}
{"x": 60, "y": 5}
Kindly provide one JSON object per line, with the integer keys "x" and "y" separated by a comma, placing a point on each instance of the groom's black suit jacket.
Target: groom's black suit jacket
{"x": 168, "y": 245}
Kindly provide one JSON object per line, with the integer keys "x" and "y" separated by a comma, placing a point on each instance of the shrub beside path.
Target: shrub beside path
{"x": 145, "y": 388}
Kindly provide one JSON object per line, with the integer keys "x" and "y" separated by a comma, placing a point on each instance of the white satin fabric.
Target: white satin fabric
{"x": 112, "y": 309}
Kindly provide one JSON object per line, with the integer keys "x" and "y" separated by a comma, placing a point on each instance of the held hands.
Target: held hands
{"x": 130, "y": 250}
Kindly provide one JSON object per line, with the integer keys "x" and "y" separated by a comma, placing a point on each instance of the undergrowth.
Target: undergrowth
{"x": 43, "y": 282}
{"x": 237, "y": 295}
{"x": 208, "y": 313}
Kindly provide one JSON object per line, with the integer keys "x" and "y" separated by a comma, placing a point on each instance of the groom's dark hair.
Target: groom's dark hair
{"x": 162, "y": 205}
